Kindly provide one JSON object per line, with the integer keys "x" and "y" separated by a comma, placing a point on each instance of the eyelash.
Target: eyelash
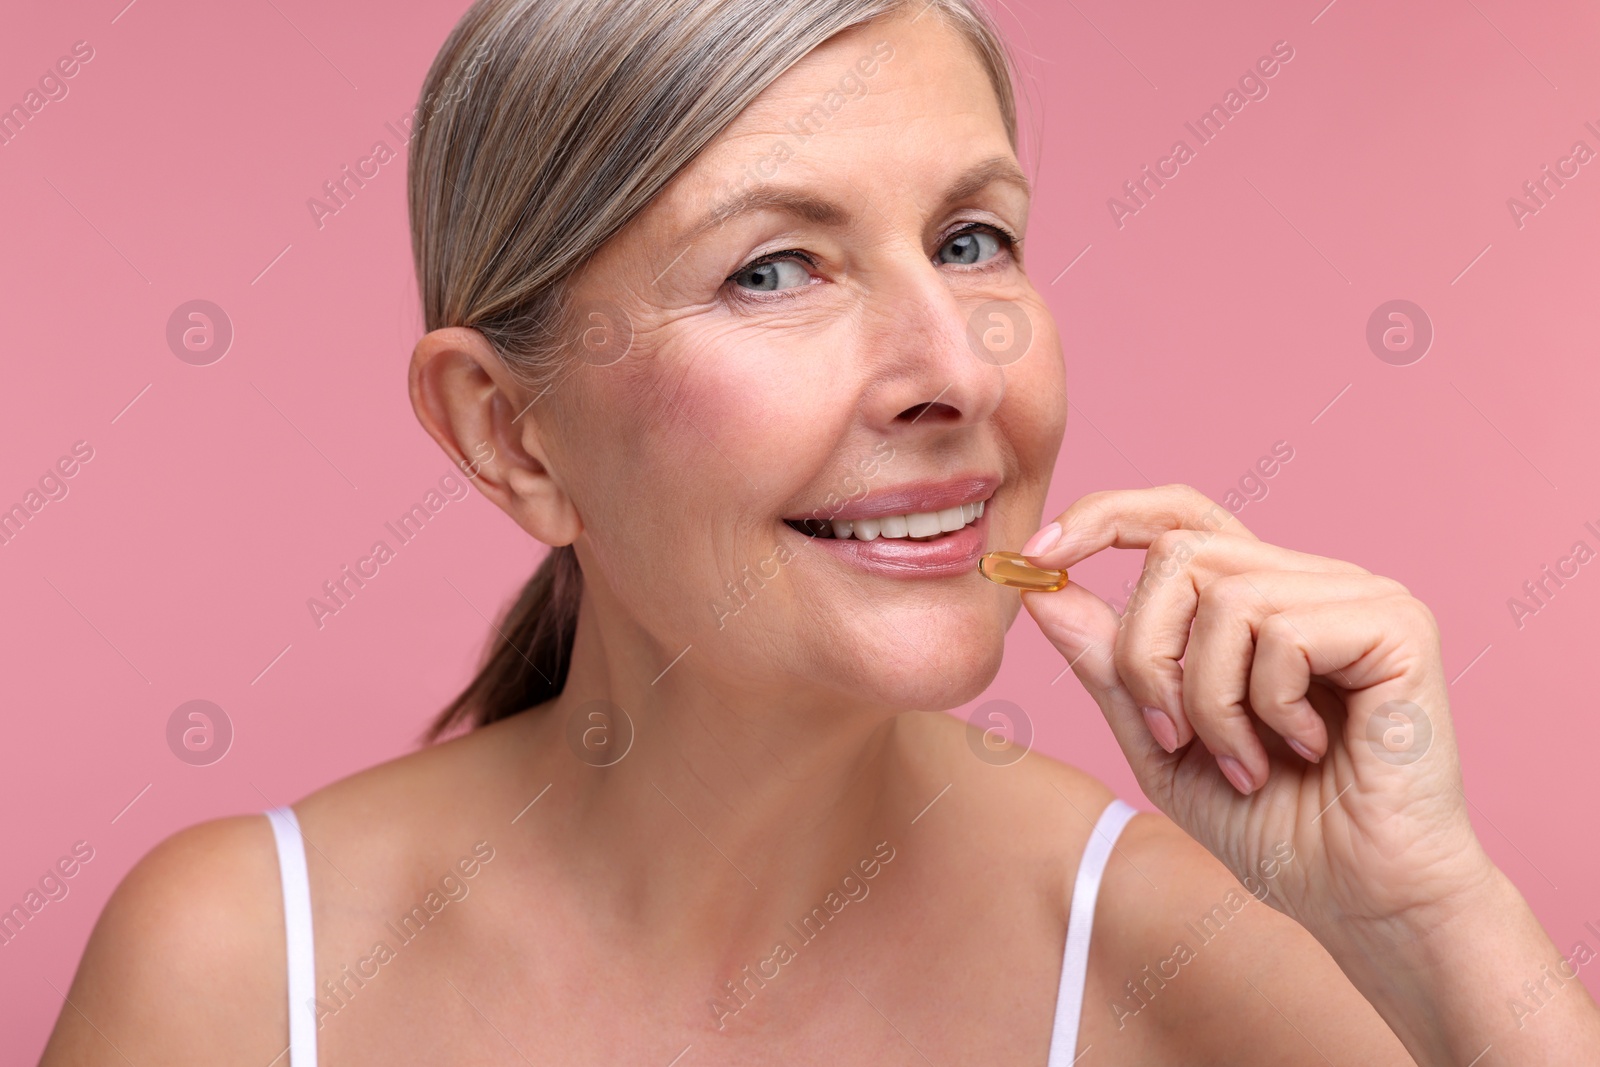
{"x": 1009, "y": 242}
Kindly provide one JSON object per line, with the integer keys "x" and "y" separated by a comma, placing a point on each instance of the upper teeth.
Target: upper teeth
{"x": 916, "y": 524}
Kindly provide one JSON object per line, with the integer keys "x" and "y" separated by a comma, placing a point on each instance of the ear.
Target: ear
{"x": 484, "y": 419}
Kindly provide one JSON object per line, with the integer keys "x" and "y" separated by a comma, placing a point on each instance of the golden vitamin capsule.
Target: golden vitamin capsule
{"x": 1011, "y": 568}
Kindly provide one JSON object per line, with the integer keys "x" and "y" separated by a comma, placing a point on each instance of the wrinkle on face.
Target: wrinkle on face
{"x": 682, "y": 456}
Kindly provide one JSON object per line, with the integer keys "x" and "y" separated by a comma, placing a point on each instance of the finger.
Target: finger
{"x": 1368, "y": 648}
{"x": 1224, "y": 668}
{"x": 1127, "y": 518}
{"x": 1083, "y": 628}
{"x": 1156, "y": 622}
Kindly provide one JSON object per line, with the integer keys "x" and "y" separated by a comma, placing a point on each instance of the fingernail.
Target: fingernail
{"x": 1043, "y": 541}
{"x": 1310, "y": 756}
{"x": 1161, "y": 728}
{"x": 1236, "y": 773}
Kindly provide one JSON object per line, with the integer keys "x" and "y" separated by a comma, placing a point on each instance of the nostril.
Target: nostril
{"x": 917, "y": 411}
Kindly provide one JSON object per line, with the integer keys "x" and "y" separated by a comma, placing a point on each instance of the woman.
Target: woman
{"x": 708, "y": 281}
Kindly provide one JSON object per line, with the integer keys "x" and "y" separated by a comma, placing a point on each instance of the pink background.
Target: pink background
{"x": 1225, "y": 316}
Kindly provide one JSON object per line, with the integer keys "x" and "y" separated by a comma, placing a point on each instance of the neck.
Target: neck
{"x": 732, "y": 811}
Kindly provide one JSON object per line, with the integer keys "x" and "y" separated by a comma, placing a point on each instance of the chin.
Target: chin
{"x": 940, "y": 664}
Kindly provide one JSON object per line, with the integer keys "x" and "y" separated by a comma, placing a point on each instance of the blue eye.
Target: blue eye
{"x": 771, "y": 275}
{"x": 970, "y": 246}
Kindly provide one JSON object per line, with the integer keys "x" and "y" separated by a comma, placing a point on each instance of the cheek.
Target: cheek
{"x": 1032, "y": 420}
{"x": 739, "y": 415}
{"x": 1035, "y": 404}
{"x": 682, "y": 456}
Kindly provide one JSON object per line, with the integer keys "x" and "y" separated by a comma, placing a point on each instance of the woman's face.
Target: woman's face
{"x": 860, "y": 341}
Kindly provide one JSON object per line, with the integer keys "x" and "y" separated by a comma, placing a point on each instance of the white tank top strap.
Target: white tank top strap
{"x": 302, "y": 961}
{"x": 297, "y": 924}
{"x": 1080, "y": 923}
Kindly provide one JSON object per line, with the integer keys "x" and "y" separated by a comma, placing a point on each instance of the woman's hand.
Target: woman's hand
{"x": 1270, "y": 699}
{"x": 1309, "y": 711}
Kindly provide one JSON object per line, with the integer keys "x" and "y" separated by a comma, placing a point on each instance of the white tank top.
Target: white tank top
{"x": 1069, "y": 995}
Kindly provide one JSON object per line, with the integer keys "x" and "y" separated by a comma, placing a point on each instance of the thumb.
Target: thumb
{"x": 1084, "y": 629}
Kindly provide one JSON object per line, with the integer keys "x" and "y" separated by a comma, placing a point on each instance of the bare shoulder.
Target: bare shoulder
{"x": 1187, "y": 964}
{"x": 187, "y": 960}
{"x": 1192, "y": 959}
{"x": 380, "y": 823}
{"x": 1040, "y": 810}
{"x": 198, "y": 922}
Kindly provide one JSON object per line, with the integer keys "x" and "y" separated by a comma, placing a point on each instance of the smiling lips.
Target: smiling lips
{"x": 914, "y": 525}
{"x": 917, "y": 530}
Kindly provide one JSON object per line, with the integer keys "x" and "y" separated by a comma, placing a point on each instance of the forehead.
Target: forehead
{"x": 904, "y": 90}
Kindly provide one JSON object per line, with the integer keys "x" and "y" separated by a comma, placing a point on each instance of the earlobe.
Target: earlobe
{"x": 469, "y": 403}
{"x": 535, "y": 498}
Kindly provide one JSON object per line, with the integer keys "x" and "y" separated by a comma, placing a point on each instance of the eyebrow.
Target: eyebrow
{"x": 823, "y": 212}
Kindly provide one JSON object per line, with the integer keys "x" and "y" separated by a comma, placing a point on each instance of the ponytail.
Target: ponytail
{"x": 526, "y": 659}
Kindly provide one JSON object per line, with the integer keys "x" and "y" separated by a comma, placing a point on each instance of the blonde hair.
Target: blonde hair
{"x": 545, "y": 127}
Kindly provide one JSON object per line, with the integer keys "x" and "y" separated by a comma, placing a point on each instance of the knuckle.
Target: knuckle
{"x": 1090, "y": 511}
{"x": 1227, "y": 595}
{"x": 1130, "y": 656}
{"x": 1276, "y": 628}
{"x": 1092, "y": 505}
{"x": 1395, "y": 588}
{"x": 1140, "y": 669}
{"x": 1207, "y": 708}
{"x": 1171, "y": 546}
{"x": 1420, "y": 616}
{"x": 1193, "y": 498}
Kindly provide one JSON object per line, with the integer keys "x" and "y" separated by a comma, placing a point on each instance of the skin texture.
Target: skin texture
{"x": 791, "y": 741}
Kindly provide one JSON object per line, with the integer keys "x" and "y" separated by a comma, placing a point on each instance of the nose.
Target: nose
{"x": 928, "y": 362}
